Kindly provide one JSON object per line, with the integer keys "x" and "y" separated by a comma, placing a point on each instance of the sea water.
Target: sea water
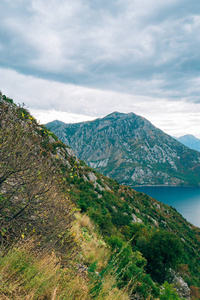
{"x": 186, "y": 200}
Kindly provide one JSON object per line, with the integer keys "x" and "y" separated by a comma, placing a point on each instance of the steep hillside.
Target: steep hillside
{"x": 190, "y": 141}
{"x": 131, "y": 150}
{"x": 83, "y": 235}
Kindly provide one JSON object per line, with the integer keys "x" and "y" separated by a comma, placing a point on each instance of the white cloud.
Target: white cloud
{"x": 94, "y": 44}
{"x": 46, "y": 116}
{"x": 50, "y": 100}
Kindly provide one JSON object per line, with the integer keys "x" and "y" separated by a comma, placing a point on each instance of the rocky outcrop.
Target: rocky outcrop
{"x": 136, "y": 219}
{"x": 182, "y": 288}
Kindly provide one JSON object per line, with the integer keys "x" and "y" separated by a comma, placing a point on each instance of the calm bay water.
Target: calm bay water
{"x": 186, "y": 200}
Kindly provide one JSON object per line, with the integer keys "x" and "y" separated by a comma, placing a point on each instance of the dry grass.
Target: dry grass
{"x": 93, "y": 248}
{"x": 109, "y": 290}
{"x": 26, "y": 275}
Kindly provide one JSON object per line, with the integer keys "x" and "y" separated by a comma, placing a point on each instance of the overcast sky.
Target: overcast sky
{"x": 82, "y": 59}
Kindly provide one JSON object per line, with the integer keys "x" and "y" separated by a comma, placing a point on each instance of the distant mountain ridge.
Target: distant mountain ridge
{"x": 131, "y": 150}
{"x": 190, "y": 141}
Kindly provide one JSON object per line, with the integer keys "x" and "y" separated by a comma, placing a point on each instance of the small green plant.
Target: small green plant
{"x": 169, "y": 293}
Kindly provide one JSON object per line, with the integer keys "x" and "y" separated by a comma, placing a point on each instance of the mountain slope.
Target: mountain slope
{"x": 130, "y": 149}
{"x": 43, "y": 185}
{"x": 190, "y": 141}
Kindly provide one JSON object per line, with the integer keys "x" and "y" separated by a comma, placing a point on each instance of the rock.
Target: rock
{"x": 82, "y": 270}
{"x": 181, "y": 287}
{"x": 92, "y": 177}
{"x": 155, "y": 222}
{"x": 157, "y": 205}
{"x": 136, "y": 219}
{"x": 96, "y": 184}
{"x": 51, "y": 139}
{"x": 70, "y": 152}
{"x": 114, "y": 208}
{"x": 85, "y": 178}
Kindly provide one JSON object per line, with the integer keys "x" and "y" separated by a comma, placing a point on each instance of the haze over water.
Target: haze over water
{"x": 186, "y": 200}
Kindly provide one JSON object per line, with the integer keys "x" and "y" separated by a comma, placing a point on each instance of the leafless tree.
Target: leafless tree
{"x": 30, "y": 199}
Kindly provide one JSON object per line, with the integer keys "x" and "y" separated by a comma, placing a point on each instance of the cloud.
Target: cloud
{"x": 108, "y": 45}
{"x": 49, "y": 100}
{"x": 46, "y": 116}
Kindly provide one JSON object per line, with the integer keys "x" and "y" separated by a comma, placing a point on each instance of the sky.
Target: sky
{"x": 83, "y": 59}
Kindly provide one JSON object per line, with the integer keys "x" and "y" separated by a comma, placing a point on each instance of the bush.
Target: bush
{"x": 169, "y": 293}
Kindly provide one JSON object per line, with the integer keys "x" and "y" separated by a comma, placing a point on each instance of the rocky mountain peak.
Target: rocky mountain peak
{"x": 129, "y": 148}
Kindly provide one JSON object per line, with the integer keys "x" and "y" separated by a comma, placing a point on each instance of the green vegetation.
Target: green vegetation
{"x": 67, "y": 232}
{"x": 163, "y": 252}
{"x": 169, "y": 292}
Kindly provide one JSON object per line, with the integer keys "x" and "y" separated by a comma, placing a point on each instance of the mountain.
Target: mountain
{"x": 67, "y": 230}
{"x": 128, "y": 148}
{"x": 190, "y": 141}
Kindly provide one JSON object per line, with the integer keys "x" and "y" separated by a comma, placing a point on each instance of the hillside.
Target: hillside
{"x": 128, "y": 148}
{"x": 190, "y": 141}
{"x": 68, "y": 232}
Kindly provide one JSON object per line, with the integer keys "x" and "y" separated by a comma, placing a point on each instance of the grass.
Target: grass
{"x": 93, "y": 247}
{"x": 27, "y": 274}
